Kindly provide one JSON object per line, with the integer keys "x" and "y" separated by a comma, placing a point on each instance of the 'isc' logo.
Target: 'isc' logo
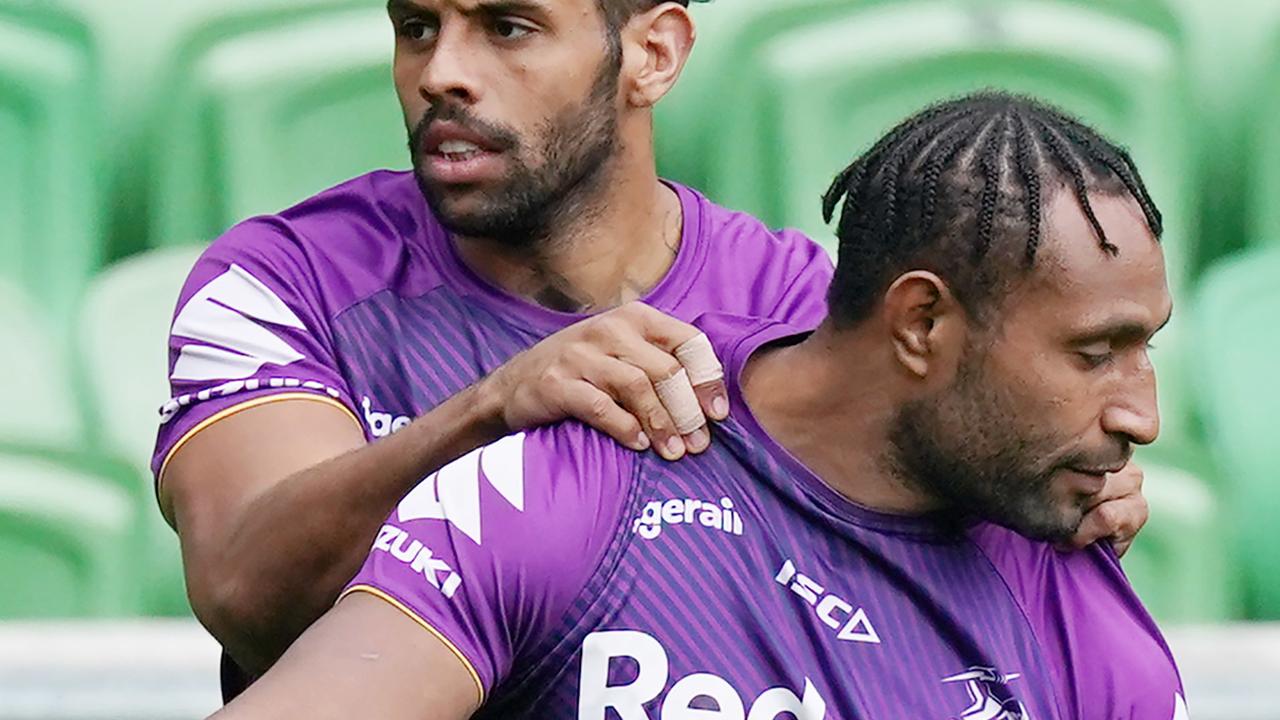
{"x": 851, "y": 623}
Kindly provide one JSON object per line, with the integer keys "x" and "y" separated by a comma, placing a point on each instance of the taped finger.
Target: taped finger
{"x": 676, "y": 394}
{"x": 699, "y": 360}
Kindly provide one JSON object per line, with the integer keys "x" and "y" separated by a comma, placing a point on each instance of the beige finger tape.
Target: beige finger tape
{"x": 698, "y": 357}
{"x": 676, "y": 394}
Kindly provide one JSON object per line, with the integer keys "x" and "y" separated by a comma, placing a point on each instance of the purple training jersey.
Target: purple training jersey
{"x": 577, "y": 579}
{"x": 358, "y": 298}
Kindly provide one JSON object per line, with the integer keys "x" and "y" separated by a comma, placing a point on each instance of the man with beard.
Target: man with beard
{"x": 368, "y": 314}
{"x": 873, "y": 541}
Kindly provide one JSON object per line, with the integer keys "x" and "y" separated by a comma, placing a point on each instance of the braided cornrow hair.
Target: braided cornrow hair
{"x": 955, "y": 184}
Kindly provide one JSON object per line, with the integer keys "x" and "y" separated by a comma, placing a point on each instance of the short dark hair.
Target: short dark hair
{"x": 616, "y": 14}
{"x": 958, "y": 182}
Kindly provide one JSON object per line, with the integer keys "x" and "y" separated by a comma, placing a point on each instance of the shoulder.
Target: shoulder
{"x": 784, "y": 272}
{"x": 578, "y": 484}
{"x": 1081, "y": 606}
{"x": 345, "y": 243}
{"x": 739, "y": 230}
{"x": 565, "y": 485}
{"x": 491, "y": 551}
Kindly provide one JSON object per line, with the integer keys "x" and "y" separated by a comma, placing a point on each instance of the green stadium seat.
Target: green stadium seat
{"x": 1239, "y": 341}
{"x": 1180, "y": 563}
{"x": 136, "y": 73}
{"x": 66, "y": 540}
{"x": 1264, "y": 195}
{"x": 50, "y": 172}
{"x": 39, "y": 408}
{"x": 1233, "y": 47}
{"x": 122, "y": 343}
{"x": 266, "y": 117}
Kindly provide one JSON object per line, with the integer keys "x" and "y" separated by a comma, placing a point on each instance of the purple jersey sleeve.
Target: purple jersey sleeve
{"x": 490, "y": 552}
{"x": 251, "y": 326}
{"x": 1082, "y": 609}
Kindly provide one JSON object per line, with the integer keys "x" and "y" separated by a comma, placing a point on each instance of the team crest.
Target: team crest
{"x": 989, "y": 695}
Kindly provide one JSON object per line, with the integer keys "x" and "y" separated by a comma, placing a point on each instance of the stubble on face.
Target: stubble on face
{"x": 973, "y": 449}
{"x": 555, "y": 170}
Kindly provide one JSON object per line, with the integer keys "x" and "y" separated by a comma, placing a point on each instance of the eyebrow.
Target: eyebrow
{"x": 1125, "y": 330}
{"x": 403, "y": 7}
{"x": 495, "y": 7}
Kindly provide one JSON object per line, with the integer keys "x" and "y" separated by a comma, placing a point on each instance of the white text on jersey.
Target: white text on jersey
{"x": 413, "y": 553}
{"x": 596, "y": 696}
{"x": 687, "y": 512}
{"x": 382, "y": 424}
{"x": 171, "y": 408}
{"x": 830, "y": 609}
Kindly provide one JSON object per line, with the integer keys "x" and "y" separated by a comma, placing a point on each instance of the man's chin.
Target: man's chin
{"x": 1052, "y": 527}
{"x": 462, "y": 210}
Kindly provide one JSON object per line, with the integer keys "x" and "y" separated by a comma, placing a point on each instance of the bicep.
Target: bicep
{"x": 365, "y": 658}
{"x": 223, "y": 467}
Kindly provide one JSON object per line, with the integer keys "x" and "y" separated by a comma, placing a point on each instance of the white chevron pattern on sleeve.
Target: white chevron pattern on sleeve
{"x": 223, "y": 317}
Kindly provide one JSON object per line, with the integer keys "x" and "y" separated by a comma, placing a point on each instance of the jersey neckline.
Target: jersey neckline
{"x": 670, "y": 290}
{"x": 937, "y": 525}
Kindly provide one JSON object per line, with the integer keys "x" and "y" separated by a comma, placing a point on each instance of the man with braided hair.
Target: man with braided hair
{"x": 871, "y": 536}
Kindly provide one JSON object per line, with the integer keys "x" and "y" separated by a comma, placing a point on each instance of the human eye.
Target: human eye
{"x": 1093, "y": 361}
{"x": 1096, "y": 355}
{"x": 417, "y": 29}
{"x": 509, "y": 28}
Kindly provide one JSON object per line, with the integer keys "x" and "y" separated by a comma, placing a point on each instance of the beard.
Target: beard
{"x": 571, "y": 151}
{"x": 970, "y": 448}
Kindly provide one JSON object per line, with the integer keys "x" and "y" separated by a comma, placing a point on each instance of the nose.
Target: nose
{"x": 448, "y": 73}
{"x": 1134, "y": 411}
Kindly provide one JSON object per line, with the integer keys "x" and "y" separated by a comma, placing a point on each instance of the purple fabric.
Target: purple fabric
{"x": 593, "y": 582}
{"x": 512, "y": 532}
{"x": 388, "y": 321}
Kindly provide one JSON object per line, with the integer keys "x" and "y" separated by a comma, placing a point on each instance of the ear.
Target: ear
{"x": 928, "y": 325}
{"x": 655, "y": 46}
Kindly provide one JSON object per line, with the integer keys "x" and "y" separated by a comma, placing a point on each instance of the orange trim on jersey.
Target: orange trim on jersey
{"x": 246, "y": 405}
{"x": 471, "y": 669}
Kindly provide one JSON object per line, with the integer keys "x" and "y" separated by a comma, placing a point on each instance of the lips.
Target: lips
{"x": 448, "y": 137}
{"x": 457, "y": 155}
{"x": 457, "y": 150}
{"x": 1098, "y": 471}
{"x": 1087, "y": 482}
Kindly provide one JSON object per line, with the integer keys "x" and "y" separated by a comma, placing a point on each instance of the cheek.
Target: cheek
{"x": 1046, "y": 398}
{"x": 405, "y": 74}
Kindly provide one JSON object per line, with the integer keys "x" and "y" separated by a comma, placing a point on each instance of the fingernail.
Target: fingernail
{"x": 674, "y": 448}
{"x": 642, "y": 442}
{"x": 720, "y": 407}
{"x": 699, "y": 440}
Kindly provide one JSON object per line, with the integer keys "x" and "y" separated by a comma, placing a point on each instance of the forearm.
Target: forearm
{"x": 292, "y": 550}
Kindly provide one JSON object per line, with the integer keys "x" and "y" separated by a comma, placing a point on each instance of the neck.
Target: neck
{"x": 617, "y": 243}
{"x": 836, "y": 419}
